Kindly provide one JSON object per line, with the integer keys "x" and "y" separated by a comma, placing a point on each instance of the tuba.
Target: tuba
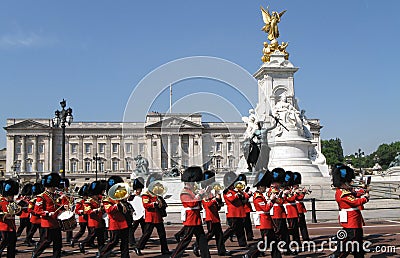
{"x": 157, "y": 188}
{"x": 119, "y": 191}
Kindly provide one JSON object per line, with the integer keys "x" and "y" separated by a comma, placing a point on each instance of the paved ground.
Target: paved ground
{"x": 384, "y": 234}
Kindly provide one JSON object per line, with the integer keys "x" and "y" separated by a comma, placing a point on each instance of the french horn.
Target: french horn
{"x": 240, "y": 185}
{"x": 119, "y": 191}
{"x": 13, "y": 208}
{"x": 157, "y": 188}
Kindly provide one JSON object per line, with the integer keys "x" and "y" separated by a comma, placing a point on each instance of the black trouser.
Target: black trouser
{"x": 303, "y": 227}
{"x": 116, "y": 235}
{"x": 9, "y": 240}
{"x": 293, "y": 229}
{"x": 248, "y": 227}
{"x": 281, "y": 232}
{"x": 82, "y": 229}
{"x": 50, "y": 235}
{"x": 95, "y": 233}
{"x": 24, "y": 223}
{"x": 236, "y": 227}
{"x": 198, "y": 231}
{"x": 354, "y": 235}
{"x": 68, "y": 235}
{"x": 215, "y": 229}
{"x": 161, "y": 234}
{"x": 34, "y": 228}
{"x": 267, "y": 236}
{"x": 133, "y": 228}
{"x": 180, "y": 233}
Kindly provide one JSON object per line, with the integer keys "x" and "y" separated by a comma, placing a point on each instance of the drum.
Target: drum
{"x": 67, "y": 221}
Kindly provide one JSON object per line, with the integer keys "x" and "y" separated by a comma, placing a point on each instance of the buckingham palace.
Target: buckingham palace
{"x": 165, "y": 140}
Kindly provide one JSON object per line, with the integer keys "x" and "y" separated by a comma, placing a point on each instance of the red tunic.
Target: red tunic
{"x": 301, "y": 208}
{"x": 263, "y": 208}
{"x": 116, "y": 218}
{"x": 247, "y": 205}
{"x": 35, "y": 219}
{"x": 7, "y": 222}
{"x": 92, "y": 208}
{"x": 348, "y": 203}
{"x": 46, "y": 202}
{"x": 80, "y": 210}
{"x": 192, "y": 207}
{"x": 152, "y": 214}
{"x": 211, "y": 209}
{"x": 290, "y": 207}
{"x": 234, "y": 205}
{"x": 278, "y": 212}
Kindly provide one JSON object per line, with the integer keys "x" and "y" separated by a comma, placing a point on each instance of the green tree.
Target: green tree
{"x": 386, "y": 153}
{"x": 332, "y": 150}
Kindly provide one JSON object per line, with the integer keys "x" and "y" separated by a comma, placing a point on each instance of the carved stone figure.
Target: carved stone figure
{"x": 288, "y": 115}
{"x": 142, "y": 165}
{"x": 396, "y": 161}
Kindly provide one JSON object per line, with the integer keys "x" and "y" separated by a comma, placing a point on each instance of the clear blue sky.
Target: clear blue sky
{"x": 93, "y": 53}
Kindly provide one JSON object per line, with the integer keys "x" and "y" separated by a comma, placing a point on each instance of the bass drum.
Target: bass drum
{"x": 67, "y": 221}
{"x": 137, "y": 205}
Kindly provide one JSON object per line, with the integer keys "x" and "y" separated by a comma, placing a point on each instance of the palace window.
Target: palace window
{"x": 218, "y": 163}
{"x": 29, "y": 166}
{"x": 218, "y": 147}
{"x": 29, "y": 148}
{"x": 230, "y": 146}
{"x": 88, "y": 148}
{"x": 87, "y": 166}
{"x": 115, "y": 165}
{"x": 74, "y": 166}
{"x": 74, "y": 147}
{"x": 40, "y": 166}
{"x": 102, "y": 147}
{"x": 115, "y": 147}
{"x": 41, "y": 148}
{"x": 230, "y": 163}
{"x": 101, "y": 166}
{"x": 128, "y": 165}
{"x": 128, "y": 147}
{"x": 141, "y": 147}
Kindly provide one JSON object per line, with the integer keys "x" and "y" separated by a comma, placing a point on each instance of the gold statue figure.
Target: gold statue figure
{"x": 271, "y": 23}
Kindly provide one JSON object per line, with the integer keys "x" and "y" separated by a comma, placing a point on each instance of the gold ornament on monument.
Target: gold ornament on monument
{"x": 271, "y": 28}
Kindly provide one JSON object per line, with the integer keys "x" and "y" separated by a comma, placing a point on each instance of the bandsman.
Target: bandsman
{"x": 80, "y": 211}
{"x": 35, "y": 220}
{"x": 23, "y": 201}
{"x": 301, "y": 208}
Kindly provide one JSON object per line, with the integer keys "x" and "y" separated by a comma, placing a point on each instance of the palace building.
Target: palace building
{"x": 165, "y": 140}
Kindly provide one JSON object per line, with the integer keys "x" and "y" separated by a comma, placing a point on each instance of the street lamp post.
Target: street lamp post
{"x": 96, "y": 158}
{"x": 60, "y": 119}
{"x": 359, "y": 155}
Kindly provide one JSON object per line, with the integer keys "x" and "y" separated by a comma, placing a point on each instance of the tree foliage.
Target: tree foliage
{"x": 332, "y": 150}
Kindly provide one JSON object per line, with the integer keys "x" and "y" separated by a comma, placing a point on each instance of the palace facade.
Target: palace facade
{"x": 165, "y": 140}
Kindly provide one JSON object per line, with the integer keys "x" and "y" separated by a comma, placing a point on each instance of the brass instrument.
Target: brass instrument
{"x": 159, "y": 189}
{"x": 13, "y": 208}
{"x": 240, "y": 185}
{"x": 217, "y": 186}
{"x": 119, "y": 191}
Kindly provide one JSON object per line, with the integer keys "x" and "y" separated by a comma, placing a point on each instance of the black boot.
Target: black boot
{"x": 196, "y": 250}
{"x": 82, "y": 247}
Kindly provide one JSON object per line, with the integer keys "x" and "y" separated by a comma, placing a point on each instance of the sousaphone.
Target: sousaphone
{"x": 119, "y": 191}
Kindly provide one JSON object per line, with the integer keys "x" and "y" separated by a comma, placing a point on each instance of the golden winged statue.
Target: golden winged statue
{"x": 271, "y": 23}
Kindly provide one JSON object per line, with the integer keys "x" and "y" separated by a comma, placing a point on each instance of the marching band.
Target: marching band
{"x": 109, "y": 208}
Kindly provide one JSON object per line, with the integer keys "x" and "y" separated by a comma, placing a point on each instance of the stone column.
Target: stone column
{"x": 23, "y": 154}
{"x": 180, "y": 150}
{"x": 122, "y": 153}
{"x": 169, "y": 151}
{"x": 108, "y": 151}
{"x": 200, "y": 148}
{"x": 11, "y": 155}
{"x": 190, "y": 151}
{"x": 49, "y": 162}
{"x": 81, "y": 149}
{"x": 35, "y": 154}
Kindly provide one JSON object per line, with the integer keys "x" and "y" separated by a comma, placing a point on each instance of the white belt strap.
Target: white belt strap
{"x": 350, "y": 209}
{"x": 192, "y": 208}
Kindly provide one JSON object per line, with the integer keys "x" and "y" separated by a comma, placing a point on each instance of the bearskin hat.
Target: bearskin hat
{"x": 153, "y": 177}
{"x": 138, "y": 183}
{"x": 229, "y": 179}
{"x": 296, "y": 178}
{"x": 342, "y": 174}
{"x": 242, "y": 177}
{"x": 192, "y": 174}
{"x": 96, "y": 188}
{"x": 112, "y": 180}
{"x": 37, "y": 188}
{"x": 278, "y": 175}
{"x": 2, "y": 185}
{"x": 262, "y": 178}
{"x": 208, "y": 178}
{"x": 52, "y": 180}
{"x": 83, "y": 191}
{"x": 27, "y": 189}
{"x": 288, "y": 179}
{"x": 10, "y": 188}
